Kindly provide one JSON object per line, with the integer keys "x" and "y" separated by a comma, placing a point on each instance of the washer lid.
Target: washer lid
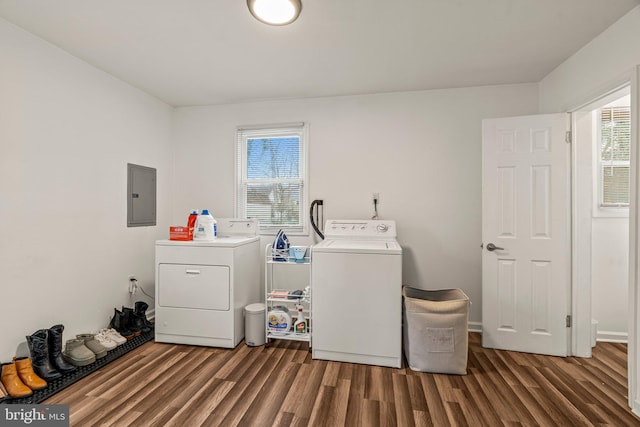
{"x": 387, "y": 247}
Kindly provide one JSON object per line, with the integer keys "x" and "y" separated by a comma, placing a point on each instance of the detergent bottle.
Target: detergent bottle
{"x": 300, "y": 327}
{"x": 206, "y": 227}
{"x": 191, "y": 222}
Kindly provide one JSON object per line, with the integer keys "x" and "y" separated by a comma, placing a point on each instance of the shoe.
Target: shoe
{"x": 26, "y": 374}
{"x": 119, "y": 323}
{"x": 114, "y": 336}
{"x": 92, "y": 344}
{"x": 39, "y": 347}
{"x": 106, "y": 341}
{"x": 139, "y": 309}
{"x": 136, "y": 322}
{"x": 12, "y": 382}
{"x": 55, "y": 350}
{"x": 76, "y": 353}
{"x": 3, "y": 393}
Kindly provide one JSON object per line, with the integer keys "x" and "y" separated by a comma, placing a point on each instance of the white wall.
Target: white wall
{"x": 419, "y": 150}
{"x": 67, "y": 131}
{"x": 598, "y": 67}
{"x": 610, "y": 276}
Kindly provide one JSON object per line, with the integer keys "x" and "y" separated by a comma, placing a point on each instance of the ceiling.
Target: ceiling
{"x": 200, "y": 52}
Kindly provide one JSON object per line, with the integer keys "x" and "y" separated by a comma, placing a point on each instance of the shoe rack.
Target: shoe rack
{"x": 80, "y": 372}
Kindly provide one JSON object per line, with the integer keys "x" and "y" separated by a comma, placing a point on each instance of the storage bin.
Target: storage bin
{"x": 254, "y": 330}
{"x": 435, "y": 330}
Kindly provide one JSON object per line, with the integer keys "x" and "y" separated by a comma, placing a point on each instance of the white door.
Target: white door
{"x": 526, "y": 279}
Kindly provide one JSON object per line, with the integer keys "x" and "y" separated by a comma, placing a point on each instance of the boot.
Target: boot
{"x": 130, "y": 321}
{"x": 140, "y": 309}
{"x": 118, "y": 322}
{"x": 26, "y": 374}
{"x": 11, "y": 381}
{"x": 136, "y": 322}
{"x": 55, "y": 350}
{"x": 39, "y": 348}
{"x": 3, "y": 392}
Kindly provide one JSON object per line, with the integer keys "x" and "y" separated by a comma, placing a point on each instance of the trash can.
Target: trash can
{"x": 435, "y": 330}
{"x": 254, "y": 324}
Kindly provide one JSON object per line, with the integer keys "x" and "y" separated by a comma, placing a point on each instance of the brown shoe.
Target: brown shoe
{"x": 3, "y": 392}
{"x": 15, "y": 387}
{"x": 26, "y": 374}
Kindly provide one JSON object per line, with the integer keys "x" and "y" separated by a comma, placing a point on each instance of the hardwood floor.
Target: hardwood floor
{"x": 177, "y": 385}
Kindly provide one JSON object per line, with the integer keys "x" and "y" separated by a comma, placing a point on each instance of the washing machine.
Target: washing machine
{"x": 203, "y": 287}
{"x": 356, "y": 280}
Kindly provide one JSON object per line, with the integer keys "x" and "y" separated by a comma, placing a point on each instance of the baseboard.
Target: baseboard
{"x": 475, "y": 327}
{"x": 151, "y": 313}
{"x": 608, "y": 336}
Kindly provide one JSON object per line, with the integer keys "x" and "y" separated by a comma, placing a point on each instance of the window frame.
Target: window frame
{"x": 600, "y": 208}
{"x": 244, "y": 133}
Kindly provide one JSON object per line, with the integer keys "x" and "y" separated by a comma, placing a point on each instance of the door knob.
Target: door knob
{"x": 491, "y": 247}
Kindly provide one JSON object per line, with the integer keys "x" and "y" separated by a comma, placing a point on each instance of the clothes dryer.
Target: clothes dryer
{"x": 356, "y": 278}
{"x": 202, "y": 287}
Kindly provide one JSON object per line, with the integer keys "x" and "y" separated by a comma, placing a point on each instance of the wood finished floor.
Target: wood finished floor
{"x": 177, "y": 385}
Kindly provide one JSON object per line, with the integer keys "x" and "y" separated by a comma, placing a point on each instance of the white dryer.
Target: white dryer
{"x": 356, "y": 278}
{"x": 203, "y": 287}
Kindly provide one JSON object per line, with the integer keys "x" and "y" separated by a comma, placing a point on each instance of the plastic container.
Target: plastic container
{"x": 191, "y": 222}
{"x": 254, "y": 334}
{"x": 300, "y": 327}
{"x": 279, "y": 321}
{"x": 296, "y": 253}
{"x": 206, "y": 227}
{"x": 435, "y": 330}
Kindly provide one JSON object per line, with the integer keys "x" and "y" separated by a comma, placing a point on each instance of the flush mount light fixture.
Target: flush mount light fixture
{"x": 275, "y": 12}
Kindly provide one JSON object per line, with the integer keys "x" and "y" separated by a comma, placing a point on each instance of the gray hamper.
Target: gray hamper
{"x": 435, "y": 330}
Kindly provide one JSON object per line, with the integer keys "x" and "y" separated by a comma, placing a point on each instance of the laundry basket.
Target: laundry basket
{"x": 435, "y": 330}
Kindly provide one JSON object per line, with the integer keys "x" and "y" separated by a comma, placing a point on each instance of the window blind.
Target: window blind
{"x": 615, "y": 144}
{"x": 271, "y": 175}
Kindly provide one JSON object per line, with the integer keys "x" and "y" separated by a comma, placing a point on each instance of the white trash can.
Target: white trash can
{"x": 435, "y": 330}
{"x": 254, "y": 324}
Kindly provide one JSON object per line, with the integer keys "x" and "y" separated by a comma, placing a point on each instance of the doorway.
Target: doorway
{"x": 601, "y": 159}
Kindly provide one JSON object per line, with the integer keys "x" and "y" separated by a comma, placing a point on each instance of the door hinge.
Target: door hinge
{"x": 568, "y": 137}
{"x": 568, "y": 320}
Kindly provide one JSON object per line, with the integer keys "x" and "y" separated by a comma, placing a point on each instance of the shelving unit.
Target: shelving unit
{"x": 285, "y": 274}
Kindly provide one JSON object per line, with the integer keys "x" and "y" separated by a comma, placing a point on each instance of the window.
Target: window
{"x": 271, "y": 178}
{"x": 614, "y": 158}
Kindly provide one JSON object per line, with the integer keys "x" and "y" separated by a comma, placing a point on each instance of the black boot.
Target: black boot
{"x": 55, "y": 350}
{"x": 119, "y": 323}
{"x": 140, "y": 309}
{"x": 39, "y": 348}
{"x": 134, "y": 323}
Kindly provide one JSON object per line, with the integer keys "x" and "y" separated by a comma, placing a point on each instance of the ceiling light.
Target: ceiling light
{"x": 275, "y": 12}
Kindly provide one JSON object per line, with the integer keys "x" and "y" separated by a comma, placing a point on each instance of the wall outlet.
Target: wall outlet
{"x": 133, "y": 284}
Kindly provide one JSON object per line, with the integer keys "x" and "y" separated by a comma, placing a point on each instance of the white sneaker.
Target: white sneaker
{"x": 105, "y": 340}
{"x": 115, "y": 336}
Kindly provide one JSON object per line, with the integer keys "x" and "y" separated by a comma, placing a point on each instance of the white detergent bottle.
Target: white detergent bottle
{"x": 300, "y": 327}
{"x": 206, "y": 227}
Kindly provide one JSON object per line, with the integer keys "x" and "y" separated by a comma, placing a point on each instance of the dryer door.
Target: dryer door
{"x": 204, "y": 287}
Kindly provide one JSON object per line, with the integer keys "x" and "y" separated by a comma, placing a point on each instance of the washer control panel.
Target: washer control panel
{"x": 365, "y": 229}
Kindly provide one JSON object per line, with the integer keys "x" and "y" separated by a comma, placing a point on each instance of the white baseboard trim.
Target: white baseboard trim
{"x": 151, "y": 313}
{"x": 608, "y": 336}
{"x": 475, "y": 327}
